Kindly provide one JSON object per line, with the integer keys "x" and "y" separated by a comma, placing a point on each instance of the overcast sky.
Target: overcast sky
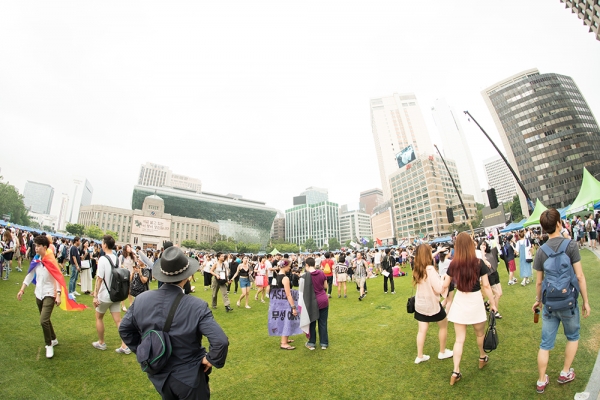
{"x": 258, "y": 98}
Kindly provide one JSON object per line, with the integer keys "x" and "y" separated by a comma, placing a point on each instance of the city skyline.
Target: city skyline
{"x": 235, "y": 113}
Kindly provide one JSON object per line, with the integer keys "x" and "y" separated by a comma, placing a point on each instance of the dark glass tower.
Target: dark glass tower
{"x": 548, "y": 131}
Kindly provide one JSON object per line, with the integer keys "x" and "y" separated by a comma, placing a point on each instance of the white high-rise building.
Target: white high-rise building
{"x": 500, "y": 178}
{"x": 62, "y": 214}
{"x": 152, "y": 174}
{"x": 397, "y": 122}
{"x": 82, "y": 196}
{"x": 315, "y": 195}
{"x": 37, "y": 197}
{"x": 355, "y": 225}
{"x": 456, "y": 147}
{"x": 317, "y": 219}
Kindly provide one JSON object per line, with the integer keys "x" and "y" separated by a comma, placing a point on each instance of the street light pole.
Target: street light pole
{"x": 529, "y": 202}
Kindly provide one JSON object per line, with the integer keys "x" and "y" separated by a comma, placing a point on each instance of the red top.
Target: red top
{"x": 324, "y": 263}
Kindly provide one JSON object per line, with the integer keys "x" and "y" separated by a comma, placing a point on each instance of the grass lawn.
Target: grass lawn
{"x": 371, "y": 354}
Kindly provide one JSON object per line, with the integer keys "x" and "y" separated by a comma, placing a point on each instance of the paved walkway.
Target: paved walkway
{"x": 593, "y": 386}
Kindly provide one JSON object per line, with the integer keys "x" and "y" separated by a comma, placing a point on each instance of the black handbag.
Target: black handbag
{"x": 410, "y": 304}
{"x": 490, "y": 341}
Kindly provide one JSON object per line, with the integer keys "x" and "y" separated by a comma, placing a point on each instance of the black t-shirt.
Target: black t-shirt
{"x": 74, "y": 252}
{"x": 483, "y": 270}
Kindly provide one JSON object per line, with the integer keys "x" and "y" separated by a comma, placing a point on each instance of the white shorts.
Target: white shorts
{"x": 104, "y": 307}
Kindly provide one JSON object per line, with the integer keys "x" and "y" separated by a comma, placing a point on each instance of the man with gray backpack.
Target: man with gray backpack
{"x": 559, "y": 281}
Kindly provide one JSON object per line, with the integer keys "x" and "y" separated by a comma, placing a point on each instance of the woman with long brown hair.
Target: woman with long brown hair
{"x": 427, "y": 301}
{"x": 466, "y": 270}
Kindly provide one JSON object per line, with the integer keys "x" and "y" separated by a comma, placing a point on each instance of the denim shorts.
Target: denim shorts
{"x": 551, "y": 321}
{"x": 244, "y": 282}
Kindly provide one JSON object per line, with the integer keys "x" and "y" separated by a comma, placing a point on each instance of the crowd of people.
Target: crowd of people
{"x": 456, "y": 282}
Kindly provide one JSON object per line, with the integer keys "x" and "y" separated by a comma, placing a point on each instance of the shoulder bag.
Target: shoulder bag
{"x": 410, "y": 304}
{"x": 490, "y": 341}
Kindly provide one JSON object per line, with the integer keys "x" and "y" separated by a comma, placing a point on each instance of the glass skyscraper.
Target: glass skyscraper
{"x": 549, "y": 133}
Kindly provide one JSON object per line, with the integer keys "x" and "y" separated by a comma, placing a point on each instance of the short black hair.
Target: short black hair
{"x": 76, "y": 238}
{"x": 549, "y": 219}
{"x": 109, "y": 241}
{"x": 310, "y": 262}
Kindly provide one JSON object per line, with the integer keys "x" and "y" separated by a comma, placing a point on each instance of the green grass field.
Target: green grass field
{"x": 371, "y": 354}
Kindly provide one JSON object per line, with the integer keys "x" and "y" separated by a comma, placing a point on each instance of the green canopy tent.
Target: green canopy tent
{"x": 589, "y": 194}
{"x": 534, "y": 219}
{"x": 274, "y": 252}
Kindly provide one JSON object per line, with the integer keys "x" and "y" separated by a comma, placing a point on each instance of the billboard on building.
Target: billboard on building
{"x": 406, "y": 156}
{"x": 298, "y": 200}
{"x": 150, "y": 226}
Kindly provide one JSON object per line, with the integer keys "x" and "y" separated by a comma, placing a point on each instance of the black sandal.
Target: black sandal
{"x": 455, "y": 377}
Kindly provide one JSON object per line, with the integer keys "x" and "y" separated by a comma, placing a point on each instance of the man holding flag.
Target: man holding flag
{"x": 50, "y": 289}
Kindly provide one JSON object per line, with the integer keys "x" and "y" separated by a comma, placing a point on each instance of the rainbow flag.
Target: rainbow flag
{"x": 51, "y": 265}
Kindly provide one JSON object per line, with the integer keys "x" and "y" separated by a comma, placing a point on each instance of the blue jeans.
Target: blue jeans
{"x": 551, "y": 321}
{"x": 73, "y": 280}
{"x": 323, "y": 336}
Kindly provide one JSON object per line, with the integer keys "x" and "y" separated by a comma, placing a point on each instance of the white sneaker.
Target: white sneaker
{"x": 125, "y": 350}
{"x": 49, "y": 351}
{"x": 76, "y": 293}
{"x": 99, "y": 346}
{"x": 422, "y": 359}
{"x": 446, "y": 354}
{"x": 54, "y": 342}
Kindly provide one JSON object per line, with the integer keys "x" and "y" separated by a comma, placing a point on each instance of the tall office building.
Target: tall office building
{"x": 318, "y": 221}
{"x": 498, "y": 176}
{"x": 62, "y": 213}
{"x": 278, "y": 229}
{"x": 315, "y": 195}
{"x": 382, "y": 224}
{"x": 152, "y": 174}
{"x": 82, "y": 196}
{"x": 549, "y": 134}
{"x": 588, "y": 11}
{"x": 421, "y": 193}
{"x": 355, "y": 225}
{"x": 456, "y": 147}
{"x": 397, "y": 122}
{"x": 369, "y": 199}
{"x": 37, "y": 197}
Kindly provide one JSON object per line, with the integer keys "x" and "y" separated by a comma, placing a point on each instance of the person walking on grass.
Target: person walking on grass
{"x": 427, "y": 302}
{"x": 75, "y": 265}
{"x": 219, "y": 282}
{"x": 243, "y": 272}
{"x": 568, "y": 265}
{"x": 360, "y": 271}
{"x": 327, "y": 268}
{"x": 341, "y": 275}
{"x": 262, "y": 282}
{"x": 102, "y": 300}
{"x": 186, "y": 373}
{"x": 47, "y": 294}
{"x": 470, "y": 275}
{"x": 387, "y": 265}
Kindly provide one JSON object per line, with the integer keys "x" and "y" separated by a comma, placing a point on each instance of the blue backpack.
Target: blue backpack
{"x": 560, "y": 287}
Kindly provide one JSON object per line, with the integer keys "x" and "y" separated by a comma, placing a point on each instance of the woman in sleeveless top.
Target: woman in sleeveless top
{"x": 243, "y": 271}
{"x": 283, "y": 282}
{"x": 262, "y": 279}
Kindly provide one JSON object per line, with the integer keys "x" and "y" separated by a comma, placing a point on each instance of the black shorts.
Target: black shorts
{"x": 593, "y": 235}
{"x": 60, "y": 260}
{"x": 431, "y": 318}
{"x": 494, "y": 278}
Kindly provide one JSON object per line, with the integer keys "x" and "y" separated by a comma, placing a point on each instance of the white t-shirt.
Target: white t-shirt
{"x": 377, "y": 258}
{"x": 269, "y": 265}
{"x": 208, "y": 266}
{"x": 105, "y": 272}
{"x": 443, "y": 267}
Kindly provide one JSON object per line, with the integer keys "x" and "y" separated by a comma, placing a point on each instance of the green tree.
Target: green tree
{"x": 370, "y": 244}
{"x": 224, "y": 246}
{"x": 76, "y": 229}
{"x": 34, "y": 224}
{"x": 11, "y": 204}
{"x": 479, "y": 217}
{"x": 92, "y": 231}
{"x": 204, "y": 246}
{"x": 515, "y": 209}
{"x": 347, "y": 244}
{"x": 334, "y": 244}
{"x": 309, "y": 245}
{"x": 47, "y": 228}
{"x": 189, "y": 244}
{"x": 248, "y": 247}
{"x": 114, "y": 234}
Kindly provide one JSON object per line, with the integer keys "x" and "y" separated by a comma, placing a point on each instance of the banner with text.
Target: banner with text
{"x": 150, "y": 226}
{"x": 282, "y": 321}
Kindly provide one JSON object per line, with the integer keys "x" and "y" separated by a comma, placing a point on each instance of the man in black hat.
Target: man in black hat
{"x": 185, "y": 375}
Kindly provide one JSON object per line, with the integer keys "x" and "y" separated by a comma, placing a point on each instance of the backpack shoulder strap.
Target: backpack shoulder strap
{"x": 174, "y": 306}
{"x": 564, "y": 245}
{"x": 547, "y": 249}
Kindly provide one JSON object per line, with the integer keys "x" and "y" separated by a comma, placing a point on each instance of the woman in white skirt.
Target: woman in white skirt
{"x": 470, "y": 275}
{"x": 86, "y": 267}
{"x": 341, "y": 275}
